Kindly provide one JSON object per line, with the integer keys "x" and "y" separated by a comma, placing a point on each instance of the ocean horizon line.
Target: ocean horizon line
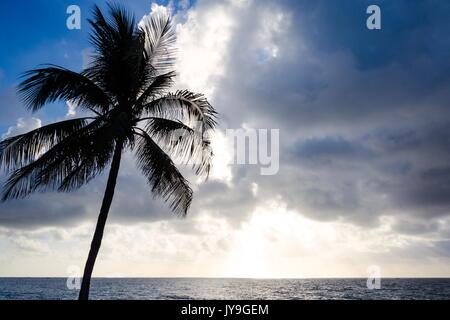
{"x": 225, "y": 278}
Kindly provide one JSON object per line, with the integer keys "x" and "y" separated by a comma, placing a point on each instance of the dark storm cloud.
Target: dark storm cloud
{"x": 340, "y": 25}
{"x": 387, "y": 171}
{"x": 235, "y": 201}
{"x": 426, "y": 191}
{"x": 363, "y": 114}
{"x": 407, "y": 225}
{"x": 422, "y": 185}
{"x": 330, "y": 148}
{"x": 44, "y": 210}
{"x": 333, "y": 71}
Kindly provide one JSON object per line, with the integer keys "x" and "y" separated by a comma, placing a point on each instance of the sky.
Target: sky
{"x": 364, "y": 149}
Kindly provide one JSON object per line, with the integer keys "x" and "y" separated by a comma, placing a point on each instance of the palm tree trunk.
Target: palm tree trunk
{"x": 98, "y": 234}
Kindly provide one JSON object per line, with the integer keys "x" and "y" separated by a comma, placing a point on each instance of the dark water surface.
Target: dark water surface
{"x": 252, "y": 289}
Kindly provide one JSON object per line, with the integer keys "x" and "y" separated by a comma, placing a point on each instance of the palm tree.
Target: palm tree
{"x": 124, "y": 93}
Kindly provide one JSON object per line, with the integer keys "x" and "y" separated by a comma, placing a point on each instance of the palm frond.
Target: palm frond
{"x": 123, "y": 21}
{"x": 66, "y": 166}
{"x": 102, "y": 33}
{"x": 109, "y": 32}
{"x": 162, "y": 175}
{"x": 119, "y": 65}
{"x": 93, "y": 154}
{"x": 20, "y": 150}
{"x": 159, "y": 41}
{"x": 189, "y": 146}
{"x": 54, "y": 83}
{"x": 184, "y": 104}
{"x": 158, "y": 85}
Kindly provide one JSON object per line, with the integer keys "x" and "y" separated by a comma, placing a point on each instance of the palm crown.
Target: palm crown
{"x": 125, "y": 90}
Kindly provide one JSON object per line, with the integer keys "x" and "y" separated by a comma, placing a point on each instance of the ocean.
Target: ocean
{"x": 218, "y": 289}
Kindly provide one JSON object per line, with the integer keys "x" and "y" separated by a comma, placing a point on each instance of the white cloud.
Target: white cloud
{"x": 223, "y": 157}
{"x": 23, "y": 125}
{"x": 71, "y": 109}
{"x": 86, "y": 55}
{"x": 202, "y": 42}
{"x": 31, "y": 245}
{"x": 254, "y": 189}
{"x": 273, "y": 242}
{"x": 154, "y": 9}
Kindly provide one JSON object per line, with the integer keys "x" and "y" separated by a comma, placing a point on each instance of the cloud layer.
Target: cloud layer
{"x": 364, "y": 125}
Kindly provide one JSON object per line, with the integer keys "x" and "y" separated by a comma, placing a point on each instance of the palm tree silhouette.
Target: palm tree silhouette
{"x": 125, "y": 91}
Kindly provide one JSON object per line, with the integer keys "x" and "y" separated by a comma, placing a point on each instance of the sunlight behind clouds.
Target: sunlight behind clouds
{"x": 202, "y": 40}
{"x": 223, "y": 157}
{"x": 273, "y": 242}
